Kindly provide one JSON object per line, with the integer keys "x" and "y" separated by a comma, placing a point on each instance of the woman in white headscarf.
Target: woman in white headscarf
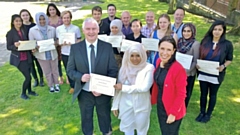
{"x": 116, "y": 30}
{"x": 48, "y": 60}
{"x": 132, "y": 95}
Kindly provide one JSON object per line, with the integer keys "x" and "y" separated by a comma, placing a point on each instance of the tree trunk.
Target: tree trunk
{"x": 190, "y": 3}
{"x": 233, "y": 18}
{"x": 171, "y": 7}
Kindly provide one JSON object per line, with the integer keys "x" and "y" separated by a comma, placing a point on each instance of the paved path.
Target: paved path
{"x": 33, "y": 8}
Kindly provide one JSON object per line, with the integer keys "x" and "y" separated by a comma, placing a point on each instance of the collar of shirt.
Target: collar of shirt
{"x": 89, "y": 48}
{"x": 67, "y": 27}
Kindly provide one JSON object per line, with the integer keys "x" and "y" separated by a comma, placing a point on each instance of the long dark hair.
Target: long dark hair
{"x": 172, "y": 41}
{"x": 57, "y": 10}
{"x": 206, "y": 43}
{"x": 30, "y": 16}
{"x": 13, "y": 18}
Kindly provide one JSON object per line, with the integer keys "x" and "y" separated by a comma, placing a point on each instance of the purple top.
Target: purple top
{"x": 58, "y": 23}
{"x": 126, "y": 31}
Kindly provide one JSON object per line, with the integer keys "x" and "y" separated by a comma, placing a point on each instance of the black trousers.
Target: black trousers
{"x": 60, "y": 68}
{"x": 206, "y": 87}
{"x": 65, "y": 61}
{"x": 39, "y": 69}
{"x": 189, "y": 88}
{"x": 167, "y": 129}
{"x": 25, "y": 68}
{"x": 87, "y": 101}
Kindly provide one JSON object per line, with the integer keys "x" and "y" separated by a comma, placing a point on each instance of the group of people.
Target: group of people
{"x": 143, "y": 77}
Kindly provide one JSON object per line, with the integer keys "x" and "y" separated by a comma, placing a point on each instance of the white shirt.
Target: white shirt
{"x": 86, "y": 85}
{"x": 65, "y": 50}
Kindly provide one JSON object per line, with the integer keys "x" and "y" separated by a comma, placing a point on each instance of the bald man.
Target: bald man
{"x": 126, "y": 18}
{"x": 150, "y": 25}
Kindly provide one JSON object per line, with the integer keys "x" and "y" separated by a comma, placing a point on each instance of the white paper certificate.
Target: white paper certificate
{"x": 103, "y": 37}
{"x": 126, "y": 44}
{"x": 27, "y": 45}
{"x": 209, "y": 67}
{"x": 184, "y": 59}
{"x": 102, "y": 84}
{"x": 67, "y": 37}
{"x": 46, "y": 45}
{"x": 150, "y": 44}
{"x": 115, "y": 40}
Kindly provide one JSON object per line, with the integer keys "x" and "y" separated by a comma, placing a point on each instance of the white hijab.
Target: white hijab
{"x": 128, "y": 71}
{"x": 118, "y": 24}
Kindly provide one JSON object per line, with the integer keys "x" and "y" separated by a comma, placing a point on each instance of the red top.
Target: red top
{"x": 174, "y": 90}
{"x": 23, "y": 55}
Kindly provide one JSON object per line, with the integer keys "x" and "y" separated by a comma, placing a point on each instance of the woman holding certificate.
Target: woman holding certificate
{"x": 20, "y": 59}
{"x": 28, "y": 23}
{"x": 213, "y": 48}
{"x": 55, "y": 20}
{"x": 132, "y": 95}
{"x": 169, "y": 88}
{"x": 136, "y": 27}
{"x": 188, "y": 45}
{"x": 65, "y": 41}
{"x": 162, "y": 29}
{"x": 116, "y": 30}
{"x": 47, "y": 58}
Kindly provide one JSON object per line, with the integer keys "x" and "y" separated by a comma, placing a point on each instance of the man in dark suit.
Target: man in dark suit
{"x": 81, "y": 63}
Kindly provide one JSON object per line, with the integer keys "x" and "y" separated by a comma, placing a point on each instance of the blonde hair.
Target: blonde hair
{"x": 66, "y": 12}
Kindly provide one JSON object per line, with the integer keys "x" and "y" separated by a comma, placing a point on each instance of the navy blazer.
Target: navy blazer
{"x": 78, "y": 65}
{"x": 12, "y": 37}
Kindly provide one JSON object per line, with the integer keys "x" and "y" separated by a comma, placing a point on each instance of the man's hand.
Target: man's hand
{"x": 85, "y": 78}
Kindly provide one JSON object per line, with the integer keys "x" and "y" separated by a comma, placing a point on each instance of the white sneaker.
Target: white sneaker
{"x": 57, "y": 89}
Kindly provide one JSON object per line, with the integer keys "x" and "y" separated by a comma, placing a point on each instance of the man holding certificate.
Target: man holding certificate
{"x": 91, "y": 56}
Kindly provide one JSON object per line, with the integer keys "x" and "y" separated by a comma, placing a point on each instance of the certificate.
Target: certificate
{"x": 209, "y": 67}
{"x": 67, "y": 37}
{"x": 126, "y": 44}
{"x": 184, "y": 59}
{"x": 27, "y": 45}
{"x": 102, "y": 84}
{"x": 115, "y": 40}
{"x": 103, "y": 37}
{"x": 150, "y": 44}
{"x": 46, "y": 45}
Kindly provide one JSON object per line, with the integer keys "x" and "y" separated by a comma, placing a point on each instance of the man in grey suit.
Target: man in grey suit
{"x": 92, "y": 56}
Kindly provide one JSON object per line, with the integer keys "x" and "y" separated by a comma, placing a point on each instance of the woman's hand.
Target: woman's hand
{"x": 170, "y": 119}
{"x": 118, "y": 86}
{"x": 197, "y": 67}
{"x": 220, "y": 68}
{"x": 115, "y": 113}
{"x": 17, "y": 44}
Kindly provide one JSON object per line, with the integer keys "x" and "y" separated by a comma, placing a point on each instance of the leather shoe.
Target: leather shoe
{"x": 199, "y": 117}
{"x": 206, "y": 118}
{"x": 25, "y": 97}
{"x": 33, "y": 93}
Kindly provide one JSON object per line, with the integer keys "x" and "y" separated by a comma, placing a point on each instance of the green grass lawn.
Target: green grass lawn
{"x": 53, "y": 114}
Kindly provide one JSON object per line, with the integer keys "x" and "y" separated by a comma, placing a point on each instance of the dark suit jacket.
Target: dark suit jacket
{"x": 12, "y": 37}
{"x": 105, "y": 63}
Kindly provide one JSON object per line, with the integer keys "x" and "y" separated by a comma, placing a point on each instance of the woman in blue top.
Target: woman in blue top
{"x": 214, "y": 47}
{"x": 162, "y": 29}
